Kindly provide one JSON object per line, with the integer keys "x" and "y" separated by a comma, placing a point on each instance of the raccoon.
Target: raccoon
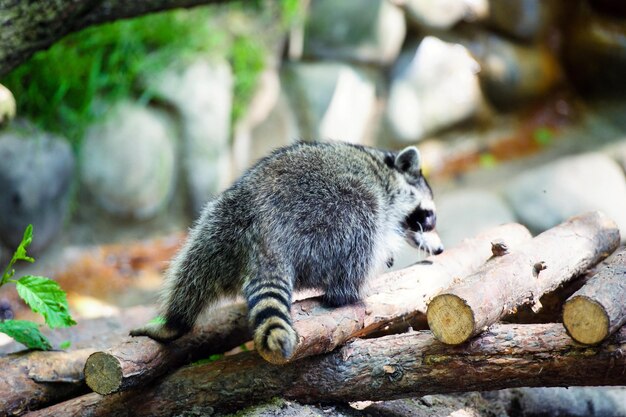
{"x": 311, "y": 215}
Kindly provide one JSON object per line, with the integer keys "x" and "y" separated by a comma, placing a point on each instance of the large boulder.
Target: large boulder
{"x": 524, "y": 20}
{"x": 269, "y": 123}
{"x": 128, "y": 161}
{"x": 546, "y": 196}
{"x": 512, "y": 74}
{"x": 35, "y": 176}
{"x": 7, "y": 105}
{"x": 365, "y": 31}
{"x": 202, "y": 92}
{"x": 595, "y": 51}
{"x": 444, "y": 14}
{"x": 436, "y": 88}
{"x": 331, "y": 100}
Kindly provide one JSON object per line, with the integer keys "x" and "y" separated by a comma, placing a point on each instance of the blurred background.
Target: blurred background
{"x": 124, "y": 130}
{"x": 113, "y": 138}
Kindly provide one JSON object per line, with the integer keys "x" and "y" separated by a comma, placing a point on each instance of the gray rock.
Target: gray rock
{"x": 202, "y": 93}
{"x": 369, "y": 31}
{"x": 572, "y": 401}
{"x": 269, "y": 122}
{"x": 522, "y": 19}
{"x": 128, "y": 161}
{"x": 465, "y": 213}
{"x": 437, "y": 89}
{"x": 253, "y": 142}
{"x": 548, "y": 195}
{"x": 617, "y": 151}
{"x": 7, "y": 105}
{"x": 595, "y": 52}
{"x": 331, "y": 100}
{"x": 35, "y": 178}
{"x": 513, "y": 74}
{"x": 443, "y": 14}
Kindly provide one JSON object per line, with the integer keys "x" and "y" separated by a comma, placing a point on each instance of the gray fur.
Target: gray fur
{"x": 311, "y": 215}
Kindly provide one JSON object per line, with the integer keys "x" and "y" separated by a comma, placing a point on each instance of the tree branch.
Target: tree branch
{"x": 32, "y": 25}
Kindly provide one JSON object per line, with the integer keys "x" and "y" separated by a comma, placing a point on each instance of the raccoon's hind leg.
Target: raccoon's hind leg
{"x": 268, "y": 292}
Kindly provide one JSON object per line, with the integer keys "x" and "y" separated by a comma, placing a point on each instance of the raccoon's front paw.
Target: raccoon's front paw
{"x": 158, "y": 331}
{"x": 276, "y": 344}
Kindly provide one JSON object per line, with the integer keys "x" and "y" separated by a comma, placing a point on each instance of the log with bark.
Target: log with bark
{"x": 31, "y": 380}
{"x": 599, "y": 307}
{"x": 541, "y": 265}
{"x": 397, "y": 297}
{"x": 32, "y": 25}
{"x": 396, "y": 366}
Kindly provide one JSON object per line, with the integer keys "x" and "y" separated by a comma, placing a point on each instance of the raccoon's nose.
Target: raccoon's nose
{"x": 429, "y": 220}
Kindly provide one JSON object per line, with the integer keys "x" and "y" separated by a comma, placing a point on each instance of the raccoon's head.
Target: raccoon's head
{"x": 420, "y": 218}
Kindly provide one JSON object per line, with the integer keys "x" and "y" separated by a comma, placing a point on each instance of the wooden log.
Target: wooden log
{"x": 539, "y": 266}
{"x": 397, "y": 366}
{"x": 402, "y": 294}
{"x": 137, "y": 360}
{"x": 32, "y": 380}
{"x": 599, "y": 308}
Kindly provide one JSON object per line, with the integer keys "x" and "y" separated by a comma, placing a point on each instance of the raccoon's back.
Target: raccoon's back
{"x": 320, "y": 205}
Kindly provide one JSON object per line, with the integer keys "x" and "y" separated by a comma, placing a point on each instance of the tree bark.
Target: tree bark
{"x": 598, "y": 308}
{"x": 397, "y": 366}
{"x": 32, "y": 379}
{"x": 397, "y": 298}
{"x": 32, "y": 25}
{"x": 541, "y": 265}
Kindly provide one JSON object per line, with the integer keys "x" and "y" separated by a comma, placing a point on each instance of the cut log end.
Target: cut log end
{"x": 103, "y": 373}
{"x": 586, "y": 320}
{"x": 450, "y": 319}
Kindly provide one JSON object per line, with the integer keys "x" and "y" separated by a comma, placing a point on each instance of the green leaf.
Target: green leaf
{"x": 487, "y": 160}
{"x": 157, "y": 320}
{"x": 20, "y": 254}
{"x": 65, "y": 344}
{"x": 26, "y": 333}
{"x": 210, "y": 359}
{"x": 543, "y": 136}
{"x": 45, "y": 296}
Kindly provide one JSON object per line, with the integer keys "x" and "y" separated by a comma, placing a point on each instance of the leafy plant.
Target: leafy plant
{"x": 43, "y": 295}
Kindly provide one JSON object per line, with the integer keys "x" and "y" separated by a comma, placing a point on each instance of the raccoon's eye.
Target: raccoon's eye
{"x": 421, "y": 220}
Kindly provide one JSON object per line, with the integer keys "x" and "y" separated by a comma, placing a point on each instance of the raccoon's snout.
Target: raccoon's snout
{"x": 422, "y": 220}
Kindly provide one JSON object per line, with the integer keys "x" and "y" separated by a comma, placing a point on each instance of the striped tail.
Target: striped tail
{"x": 269, "y": 303}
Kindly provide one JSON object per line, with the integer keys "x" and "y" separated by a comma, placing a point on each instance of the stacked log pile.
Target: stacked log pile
{"x": 349, "y": 353}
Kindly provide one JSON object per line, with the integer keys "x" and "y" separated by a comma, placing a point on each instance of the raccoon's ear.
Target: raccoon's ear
{"x": 409, "y": 161}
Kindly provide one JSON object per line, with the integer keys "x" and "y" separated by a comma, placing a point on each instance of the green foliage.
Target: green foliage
{"x": 157, "y": 320}
{"x": 210, "y": 359}
{"x": 43, "y": 295}
{"x": 487, "y": 160}
{"x": 25, "y": 332}
{"x": 290, "y": 11}
{"x": 62, "y": 89}
{"x": 19, "y": 255}
{"x": 543, "y": 136}
{"x": 58, "y": 88}
{"x": 65, "y": 344}
{"x": 248, "y": 60}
